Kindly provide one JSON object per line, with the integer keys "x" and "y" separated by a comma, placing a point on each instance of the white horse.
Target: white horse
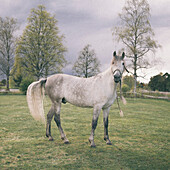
{"x": 98, "y": 92}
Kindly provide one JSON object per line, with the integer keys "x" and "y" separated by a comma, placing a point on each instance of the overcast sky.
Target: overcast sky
{"x": 90, "y": 22}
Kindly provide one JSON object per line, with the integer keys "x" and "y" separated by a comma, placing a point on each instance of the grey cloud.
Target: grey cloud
{"x": 160, "y": 21}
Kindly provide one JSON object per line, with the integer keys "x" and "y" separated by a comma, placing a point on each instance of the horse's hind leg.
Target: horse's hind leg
{"x": 58, "y": 122}
{"x": 48, "y": 127}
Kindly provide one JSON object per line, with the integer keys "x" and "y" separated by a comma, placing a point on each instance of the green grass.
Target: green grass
{"x": 140, "y": 139}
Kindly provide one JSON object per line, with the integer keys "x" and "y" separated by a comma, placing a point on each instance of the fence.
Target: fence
{"x": 149, "y": 94}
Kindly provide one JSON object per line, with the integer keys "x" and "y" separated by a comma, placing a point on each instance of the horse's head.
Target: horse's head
{"x": 118, "y": 66}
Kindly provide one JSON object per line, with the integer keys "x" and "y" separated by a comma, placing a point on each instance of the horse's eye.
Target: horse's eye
{"x": 123, "y": 64}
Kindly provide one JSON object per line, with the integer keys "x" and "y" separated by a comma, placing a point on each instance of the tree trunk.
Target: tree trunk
{"x": 38, "y": 77}
{"x": 135, "y": 83}
{"x": 46, "y": 72}
{"x": 86, "y": 71}
{"x": 135, "y": 75}
{"x": 7, "y": 83}
{"x": 7, "y": 76}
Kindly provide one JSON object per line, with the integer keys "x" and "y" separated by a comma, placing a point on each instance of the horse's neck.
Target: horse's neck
{"x": 108, "y": 77}
{"x": 108, "y": 74}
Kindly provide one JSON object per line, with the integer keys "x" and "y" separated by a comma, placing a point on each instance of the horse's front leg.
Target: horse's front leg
{"x": 58, "y": 122}
{"x": 96, "y": 113}
{"x": 106, "y": 122}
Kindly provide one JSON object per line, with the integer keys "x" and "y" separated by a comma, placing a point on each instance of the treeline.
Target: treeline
{"x": 39, "y": 51}
{"x": 160, "y": 82}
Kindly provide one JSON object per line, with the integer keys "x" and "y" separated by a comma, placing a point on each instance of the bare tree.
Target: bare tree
{"x": 7, "y": 46}
{"x": 87, "y": 64}
{"x": 136, "y": 34}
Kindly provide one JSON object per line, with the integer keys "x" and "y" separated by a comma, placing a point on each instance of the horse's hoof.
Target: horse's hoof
{"x": 109, "y": 142}
{"x": 93, "y": 146}
{"x": 66, "y": 141}
{"x": 50, "y": 138}
{"x": 92, "y": 143}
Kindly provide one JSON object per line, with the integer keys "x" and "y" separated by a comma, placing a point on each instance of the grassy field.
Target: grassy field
{"x": 140, "y": 139}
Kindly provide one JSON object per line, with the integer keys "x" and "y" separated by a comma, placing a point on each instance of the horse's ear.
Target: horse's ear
{"x": 123, "y": 55}
{"x": 114, "y": 57}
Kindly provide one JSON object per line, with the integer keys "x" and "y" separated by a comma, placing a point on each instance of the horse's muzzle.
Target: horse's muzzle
{"x": 117, "y": 78}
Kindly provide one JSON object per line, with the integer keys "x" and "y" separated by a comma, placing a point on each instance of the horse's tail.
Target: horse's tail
{"x": 35, "y": 93}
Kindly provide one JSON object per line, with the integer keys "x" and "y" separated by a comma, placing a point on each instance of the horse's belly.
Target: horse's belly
{"x": 90, "y": 101}
{"x": 80, "y": 102}
{"x": 79, "y": 96}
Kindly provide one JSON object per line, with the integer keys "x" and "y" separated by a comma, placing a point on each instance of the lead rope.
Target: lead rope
{"x": 122, "y": 98}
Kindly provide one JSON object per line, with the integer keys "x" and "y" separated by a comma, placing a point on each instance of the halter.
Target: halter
{"x": 118, "y": 71}
{"x": 121, "y": 96}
